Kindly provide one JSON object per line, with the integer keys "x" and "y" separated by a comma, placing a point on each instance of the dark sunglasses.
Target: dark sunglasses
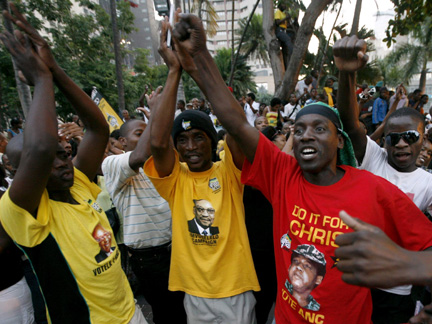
{"x": 410, "y": 137}
{"x": 278, "y": 132}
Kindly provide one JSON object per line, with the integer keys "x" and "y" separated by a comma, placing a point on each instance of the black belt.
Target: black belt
{"x": 153, "y": 249}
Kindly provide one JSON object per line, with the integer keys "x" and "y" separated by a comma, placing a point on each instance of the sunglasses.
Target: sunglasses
{"x": 278, "y": 132}
{"x": 409, "y": 137}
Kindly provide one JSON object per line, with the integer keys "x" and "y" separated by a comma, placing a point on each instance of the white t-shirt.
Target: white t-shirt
{"x": 301, "y": 85}
{"x": 250, "y": 115}
{"x": 290, "y": 111}
{"x": 417, "y": 185}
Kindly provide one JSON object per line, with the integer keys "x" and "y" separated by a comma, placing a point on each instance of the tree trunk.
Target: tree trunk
{"x": 301, "y": 44}
{"x": 118, "y": 57}
{"x": 240, "y": 43}
{"x": 273, "y": 46}
{"x": 23, "y": 89}
{"x": 422, "y": 84}
{"x": 326, "y": 46}
{"x": 356, "y": 19}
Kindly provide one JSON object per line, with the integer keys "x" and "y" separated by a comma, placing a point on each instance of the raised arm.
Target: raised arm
{"x": 190, "y": 42}
{"x": 349, "y": 55}
{"x": 163, "y": 117}
{"x": 34, "y": 152}
{"x": 93, "y": 144}
{"x": 142, "y": 150}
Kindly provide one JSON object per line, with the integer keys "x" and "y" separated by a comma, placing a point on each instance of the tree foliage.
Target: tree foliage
{"x": 415, "y": 55}
{"x": 254, "y": 46}
{"x": 243, "y": 76}
{"x": 82, "y": 44}
{"x": 409, "y": 15}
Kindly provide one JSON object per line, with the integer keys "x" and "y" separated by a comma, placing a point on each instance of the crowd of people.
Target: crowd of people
{"x": 219, "y": 209}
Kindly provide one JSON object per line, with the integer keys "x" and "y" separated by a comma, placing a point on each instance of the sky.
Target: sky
{"x": 367, "y": 17}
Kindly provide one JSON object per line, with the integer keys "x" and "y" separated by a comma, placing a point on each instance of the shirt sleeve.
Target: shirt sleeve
{"x": 270, "y": 167}
{"x": 166, "y": 186}
{"x": 21, "y": 226}
{"x": 117, "y": 171}
{"x": 374, "y": 156}
{"x": 405, "y": 223}
{"x": 278, "y": 15}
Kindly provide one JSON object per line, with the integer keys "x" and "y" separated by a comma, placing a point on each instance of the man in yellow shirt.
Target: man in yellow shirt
{"x": 50, "y": 210}
{"x": 283, "y": 21}
{"x": 212, "y": 265}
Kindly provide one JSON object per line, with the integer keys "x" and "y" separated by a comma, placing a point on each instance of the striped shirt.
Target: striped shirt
{"x": 146, "y": 215}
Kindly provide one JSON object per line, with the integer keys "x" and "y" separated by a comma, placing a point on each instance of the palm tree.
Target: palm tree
{"x": 416, "y": 54}
{"x": 254, "y": 46}
{"x": 243, "y": 76}
{"x": 207, "y": 13}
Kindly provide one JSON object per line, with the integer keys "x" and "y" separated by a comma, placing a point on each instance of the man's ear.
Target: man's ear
{"x": 318, "y": 280}
{"x": 341, "y": 141}
{"x": 123, "y": 142}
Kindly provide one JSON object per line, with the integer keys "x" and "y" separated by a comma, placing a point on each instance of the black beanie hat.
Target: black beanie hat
{"x": 190, "y": 119}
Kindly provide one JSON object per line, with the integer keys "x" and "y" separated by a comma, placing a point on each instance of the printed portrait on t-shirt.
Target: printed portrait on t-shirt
{"x": 204, "y": 215}
{"x": 306, "y": 272}
{"x": 103, "y": 237}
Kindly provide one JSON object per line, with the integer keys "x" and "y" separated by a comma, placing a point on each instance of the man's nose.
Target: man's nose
{"x": 190, "y": 144}
{"x": 401, "y": 143}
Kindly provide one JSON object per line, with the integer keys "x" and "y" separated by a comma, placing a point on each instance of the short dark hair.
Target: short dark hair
{"x": 181, "y": 102}
{"x": 416, "y": 91}
{"x": 221, "y": 134}
{"x": 275, "y": 101}
{"x": 115, "y": 134}
{"x": 15, "y": 121}
{"x": 252, "y": 95}
{"x": 124, "y": 129}
{"x": 406, "y": 111}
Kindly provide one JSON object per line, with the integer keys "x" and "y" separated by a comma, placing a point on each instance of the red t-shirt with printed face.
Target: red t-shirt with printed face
{"x": 306, "y": 223}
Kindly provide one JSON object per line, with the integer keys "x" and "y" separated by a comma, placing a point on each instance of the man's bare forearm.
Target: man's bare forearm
{"x": 162, "y": 119}
{"x": 84, "y": 106}
{"x": 213, "y": 86}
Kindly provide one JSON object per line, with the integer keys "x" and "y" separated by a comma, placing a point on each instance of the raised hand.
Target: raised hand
{"x": 30, "y": 65}
{"x": 424, "y": 317}
{"x": 154, "y": 98}
{"x": 169, "y": 56}
{"x": 190, "y": 40}
{"x": 189, "y": 31}
{"x": 71, "y": 131}
{"x": 367, "y": 257}
{"x": 350, "y": 54}
{"x": 40, "y": 44}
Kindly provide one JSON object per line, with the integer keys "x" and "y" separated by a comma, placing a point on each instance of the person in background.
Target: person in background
{"x": 15, "y": 127}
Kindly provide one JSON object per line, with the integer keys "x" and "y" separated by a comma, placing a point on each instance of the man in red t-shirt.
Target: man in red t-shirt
{"x": 307, "y": 194}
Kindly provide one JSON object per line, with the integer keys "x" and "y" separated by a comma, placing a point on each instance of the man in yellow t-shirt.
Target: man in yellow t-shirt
{"x": 211, "y": 259}
{"x": 282, "y": 21}
{"x": 50, "y": 211}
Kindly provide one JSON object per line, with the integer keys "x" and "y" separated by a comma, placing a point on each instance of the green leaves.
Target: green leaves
{"x": 409, "y": 15}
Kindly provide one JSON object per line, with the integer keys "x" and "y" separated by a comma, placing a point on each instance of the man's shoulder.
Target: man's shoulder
{"x": 113, "y": 161}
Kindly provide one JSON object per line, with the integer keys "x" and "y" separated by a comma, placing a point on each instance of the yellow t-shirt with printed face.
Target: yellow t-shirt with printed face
{"x": 74, "y": 255}
{"x": 216, "y": 263}
{"x": 280, "y": 15}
